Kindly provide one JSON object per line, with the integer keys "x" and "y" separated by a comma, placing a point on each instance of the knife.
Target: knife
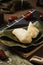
{"x": 16, "y": 21}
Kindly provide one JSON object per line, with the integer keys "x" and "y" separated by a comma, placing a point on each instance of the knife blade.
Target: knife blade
{"x": 15, "y": 22}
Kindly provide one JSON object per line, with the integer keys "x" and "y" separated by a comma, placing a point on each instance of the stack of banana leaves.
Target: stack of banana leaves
{"x": 14, "y": 45}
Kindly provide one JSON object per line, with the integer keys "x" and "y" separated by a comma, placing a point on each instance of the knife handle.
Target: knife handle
{"x": 37, "y": 60}
{"x": 12, "y": 18}
{"x": 41, "y": 16}
{"x": 3, "y": 56}
{"x": 27, "y": 16}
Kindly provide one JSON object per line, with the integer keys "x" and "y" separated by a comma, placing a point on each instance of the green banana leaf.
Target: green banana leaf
{"x": 39, "y": 26}
{"x": 8, "y": 33}
{"x": 12, "y": 43}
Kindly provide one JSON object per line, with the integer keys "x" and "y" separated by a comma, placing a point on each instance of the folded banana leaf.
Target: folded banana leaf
{"x": 16, "y": 42}
{"x": 11, "y": 43}
{"x": 39, "y": 26}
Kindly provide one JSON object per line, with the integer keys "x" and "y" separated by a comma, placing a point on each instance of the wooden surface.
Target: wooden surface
{"x": 33, "y": 3}
{"x": 19, "y": 13}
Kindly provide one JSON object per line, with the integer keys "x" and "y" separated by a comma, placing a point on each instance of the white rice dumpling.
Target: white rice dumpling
{"x": 22, "y": 35}
{"x": 33, "y": 30}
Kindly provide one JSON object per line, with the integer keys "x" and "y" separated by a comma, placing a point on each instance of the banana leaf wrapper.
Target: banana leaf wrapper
{"x": 26, "y": 55}
{"x": 16, "y": 42}
{"x": 11, "y": 43}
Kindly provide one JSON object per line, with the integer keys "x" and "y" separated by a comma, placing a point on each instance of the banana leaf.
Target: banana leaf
{"x": 11, "y": 43}
{"x": 8, "y": 33}
{"x": 39, "y": 26}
